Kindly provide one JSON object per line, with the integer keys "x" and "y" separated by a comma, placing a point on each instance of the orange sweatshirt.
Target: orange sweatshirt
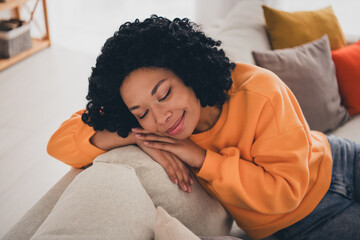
{"x": 263, "y": 163}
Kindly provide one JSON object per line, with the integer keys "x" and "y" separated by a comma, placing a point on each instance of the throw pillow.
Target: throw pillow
{"x": 105, "y": 201}
{"x": 169, "y": 228}
{"x": 309, "y": 72}
{"x": 290, "y": 29}
{"x": 347, "y": 65}
{"x": 241, "y": 31}
{"x": 198, "y": 211}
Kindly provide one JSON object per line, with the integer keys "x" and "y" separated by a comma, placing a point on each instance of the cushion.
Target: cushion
{"x": 309, "y": 72}
{"x": 290, "y": 29}
{"x": 197, "y": 210}
{"x": 350, "y": 130}
{"x": 347, "y": 66}
{"x": 105, "y": 201}
{"x": 169, "y": 228}
{"x": 242, "y": 31}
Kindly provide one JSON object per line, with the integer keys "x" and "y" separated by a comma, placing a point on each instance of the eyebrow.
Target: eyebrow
{"x": 152, "y": 93}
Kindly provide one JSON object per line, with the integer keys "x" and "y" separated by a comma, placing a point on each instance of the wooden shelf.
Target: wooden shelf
{"x": 37, "y": 45}
{"x": 10, "y": 4}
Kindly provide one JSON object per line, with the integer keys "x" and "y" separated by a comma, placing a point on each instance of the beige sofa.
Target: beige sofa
{"x": 128, "y": 176}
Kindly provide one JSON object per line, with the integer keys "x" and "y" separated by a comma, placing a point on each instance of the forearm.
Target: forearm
{"x": 106, "y": 140}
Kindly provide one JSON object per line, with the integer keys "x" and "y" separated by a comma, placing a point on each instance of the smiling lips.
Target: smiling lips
{"x": 178, "y": 125}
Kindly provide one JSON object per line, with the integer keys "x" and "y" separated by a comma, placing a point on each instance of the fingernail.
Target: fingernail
{"x": 176, "y": 181}
{"x": 137, "y": 135}
{"x": 184, "y": 188}
{"x": 190, "y": 190}
{"x": 146, "y": 143}
{"x": 191, "y": 181}
{"x": 133, "y": 129}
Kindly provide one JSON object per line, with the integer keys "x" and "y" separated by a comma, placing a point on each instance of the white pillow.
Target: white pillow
{"x": 242, "y": 31}
{"x": 169, "y": 228}
{"x": 105, "y": 201}
{"x": 198, "y": 211}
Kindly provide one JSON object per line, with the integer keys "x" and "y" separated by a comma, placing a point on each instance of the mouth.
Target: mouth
{"x": 178, "y": 126}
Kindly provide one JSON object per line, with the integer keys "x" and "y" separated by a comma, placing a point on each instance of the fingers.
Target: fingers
{"x": 154, "y": 137}
{"x": 168, "y": 164}
{"x": 186, "y": 181}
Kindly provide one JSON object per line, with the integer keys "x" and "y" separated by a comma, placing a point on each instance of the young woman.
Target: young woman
{"x": 168, "y": 88}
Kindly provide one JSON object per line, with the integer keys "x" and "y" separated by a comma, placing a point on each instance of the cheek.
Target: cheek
{"x": 148, "y": 125}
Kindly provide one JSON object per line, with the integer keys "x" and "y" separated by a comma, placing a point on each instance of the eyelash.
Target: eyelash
{"x": 167, "y": 94}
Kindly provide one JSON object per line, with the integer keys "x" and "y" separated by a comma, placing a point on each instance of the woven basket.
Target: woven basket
{"x": 15, "y": 41}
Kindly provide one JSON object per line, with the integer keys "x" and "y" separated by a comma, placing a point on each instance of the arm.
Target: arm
{"x": 77, "y": 144}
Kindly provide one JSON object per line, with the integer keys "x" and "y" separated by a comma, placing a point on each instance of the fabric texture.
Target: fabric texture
{"x": 26, "y": 227}
{"x": 73, "y": 136}
{"x": 347, "y": 65}
{"x": 262, "y": 161}
{"x": 309, "y": 72}
{"x": 350, "y": 130}
{"x": 169, "y": 228}
{"x": 337, "y": 215}
{"x": 242, "y": 30}
{"x": 105, "y": 201}
{"x": 198, "y": 211}
{"x": 290, "y": 29}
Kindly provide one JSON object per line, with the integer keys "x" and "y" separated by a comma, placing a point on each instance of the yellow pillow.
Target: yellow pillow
{"x": 290, "y": 29}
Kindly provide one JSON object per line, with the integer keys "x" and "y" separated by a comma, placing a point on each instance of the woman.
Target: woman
{"x": 168, "y": 88}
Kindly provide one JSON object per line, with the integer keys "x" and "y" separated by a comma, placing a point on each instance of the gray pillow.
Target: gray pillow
{"x": 309, "y": 72}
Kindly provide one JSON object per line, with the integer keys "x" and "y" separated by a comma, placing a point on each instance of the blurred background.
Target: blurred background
{"x": 40, "y": 92}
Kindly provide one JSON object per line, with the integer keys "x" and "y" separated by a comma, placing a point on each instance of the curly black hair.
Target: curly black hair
{"x": 156, "y": 42}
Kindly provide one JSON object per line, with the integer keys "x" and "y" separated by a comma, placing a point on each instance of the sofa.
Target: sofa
{"x": 126, "y": 195}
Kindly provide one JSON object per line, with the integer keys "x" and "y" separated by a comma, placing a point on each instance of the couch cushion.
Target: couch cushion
{"x": 290, "y": 29}
{"x": 351, "y": 130}
{"x": 198, "y": 211}
{"x": 242, "y": 31}
{"x": 347, "y": 65}
{"x": 105, "y": 201}
{"x": 309, "y": 72}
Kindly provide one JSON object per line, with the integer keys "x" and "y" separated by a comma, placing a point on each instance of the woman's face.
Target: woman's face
{"x": 161, "y": 102}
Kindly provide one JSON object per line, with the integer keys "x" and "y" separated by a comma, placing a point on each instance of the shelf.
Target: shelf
{"x": 37, "y": 45}
{"x": 10, "y": 4}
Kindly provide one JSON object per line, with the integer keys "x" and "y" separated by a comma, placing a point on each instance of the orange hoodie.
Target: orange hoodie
{"x": 263, "y": 163}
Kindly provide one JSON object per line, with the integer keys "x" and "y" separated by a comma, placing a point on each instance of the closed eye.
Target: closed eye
{"x": 167, "y": 94}
{"x": 141, "y": 117}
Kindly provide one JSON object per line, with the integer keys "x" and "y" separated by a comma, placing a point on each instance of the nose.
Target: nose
{"x": 162, "y": 118}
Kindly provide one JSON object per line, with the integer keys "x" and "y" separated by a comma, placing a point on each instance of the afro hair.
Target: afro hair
{"x": 156, "y": 42}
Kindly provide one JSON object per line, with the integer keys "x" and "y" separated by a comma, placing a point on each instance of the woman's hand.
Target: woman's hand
{"x": 106, "y": 140}
{"x": 173, "y": 166}
{"x": 190, "y": 153}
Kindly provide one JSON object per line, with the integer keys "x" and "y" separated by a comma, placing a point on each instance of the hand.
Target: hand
{"x": 173, "y": 166}
{"x": 106, "y": 140}
{"x": 185, "y": 149}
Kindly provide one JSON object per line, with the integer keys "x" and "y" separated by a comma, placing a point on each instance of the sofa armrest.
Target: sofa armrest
{"x": 25, "y": 228}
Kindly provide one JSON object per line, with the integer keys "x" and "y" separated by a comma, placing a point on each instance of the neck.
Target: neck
{"x": 208, "y": 118}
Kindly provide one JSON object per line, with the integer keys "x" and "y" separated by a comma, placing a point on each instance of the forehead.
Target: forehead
{"x": 140, "y": 82}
